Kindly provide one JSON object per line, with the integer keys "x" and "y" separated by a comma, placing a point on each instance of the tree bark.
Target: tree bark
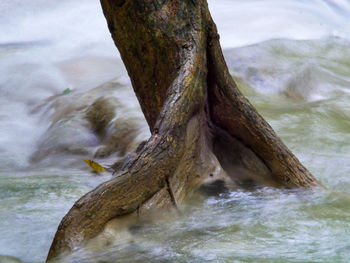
{"x": 203, "y": 128}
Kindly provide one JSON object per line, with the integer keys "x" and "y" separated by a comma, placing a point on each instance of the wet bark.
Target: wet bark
{"x": 203, "y": 128}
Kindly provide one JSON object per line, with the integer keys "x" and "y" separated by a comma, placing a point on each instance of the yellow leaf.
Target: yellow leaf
{"x": 95, "y": 166}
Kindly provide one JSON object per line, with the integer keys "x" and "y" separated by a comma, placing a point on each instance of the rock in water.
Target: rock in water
{"x": 9, "y": 259}
{"x": 100, "y": 114}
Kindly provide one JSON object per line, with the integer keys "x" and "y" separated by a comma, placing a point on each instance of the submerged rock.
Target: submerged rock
{"x": 123, "y": 138}
{"x": 9, "y": 259}
{"x": 92, "y": 124}
{"x": 100, "y": 113}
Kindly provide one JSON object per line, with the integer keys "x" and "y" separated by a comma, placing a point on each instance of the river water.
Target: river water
{"x": 292, "y": 59}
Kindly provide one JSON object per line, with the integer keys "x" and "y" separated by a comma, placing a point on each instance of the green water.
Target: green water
{"x": 265, "y": 225}
{"x": 262, "y": 226}
{"x": 270, "y": 225}
{"x": 302, "y": 87}
{"x": 32, "y": 205}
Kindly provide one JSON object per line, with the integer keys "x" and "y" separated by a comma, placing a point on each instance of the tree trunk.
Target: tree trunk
{"x": 203, "y": 128}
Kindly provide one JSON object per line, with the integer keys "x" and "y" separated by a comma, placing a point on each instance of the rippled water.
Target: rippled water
{"x": 292, "y": 60}
{"x": 261, "y": 226}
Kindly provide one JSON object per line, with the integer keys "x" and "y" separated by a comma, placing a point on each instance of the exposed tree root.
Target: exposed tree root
{"x": 203, "y": 129}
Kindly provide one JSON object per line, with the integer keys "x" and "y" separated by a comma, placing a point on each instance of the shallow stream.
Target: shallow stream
{"x": 292, "y": 60}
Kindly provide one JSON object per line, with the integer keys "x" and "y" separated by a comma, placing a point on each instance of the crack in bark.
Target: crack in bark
{"x": 188, "y": 81}
{"x": 171, "y": 193}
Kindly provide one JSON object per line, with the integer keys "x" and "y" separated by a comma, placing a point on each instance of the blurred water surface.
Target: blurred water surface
{"x": 291, "y": 59}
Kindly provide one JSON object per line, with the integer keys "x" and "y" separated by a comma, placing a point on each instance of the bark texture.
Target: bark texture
{"x": 203, "y": 128}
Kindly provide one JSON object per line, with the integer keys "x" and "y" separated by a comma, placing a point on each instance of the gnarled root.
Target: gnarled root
{"x": 203, "y": 129}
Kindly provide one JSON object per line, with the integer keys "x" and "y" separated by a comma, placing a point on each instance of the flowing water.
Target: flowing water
{"x": 292, "y": 59}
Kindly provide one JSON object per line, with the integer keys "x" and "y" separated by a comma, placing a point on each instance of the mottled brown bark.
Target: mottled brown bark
{"x": 203, "y": 128}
